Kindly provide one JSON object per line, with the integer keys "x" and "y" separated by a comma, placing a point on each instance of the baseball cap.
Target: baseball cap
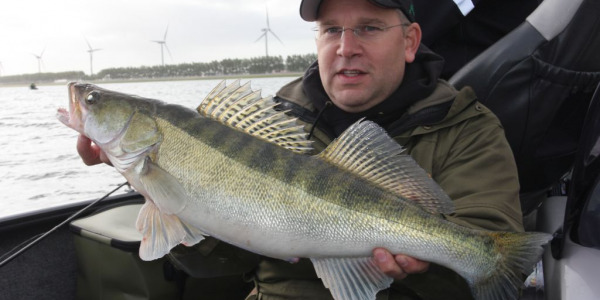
{"x": 309, "y": 9}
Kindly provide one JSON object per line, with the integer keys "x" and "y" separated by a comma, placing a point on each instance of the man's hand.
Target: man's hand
{"x": 398, "y": 266}
{"x": 90, "y": 153}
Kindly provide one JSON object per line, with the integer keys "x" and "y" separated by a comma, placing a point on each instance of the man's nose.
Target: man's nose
{"x": 349, "y": 44}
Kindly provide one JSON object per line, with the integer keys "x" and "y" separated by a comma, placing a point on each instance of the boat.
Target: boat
{"x": 543, "y": 82}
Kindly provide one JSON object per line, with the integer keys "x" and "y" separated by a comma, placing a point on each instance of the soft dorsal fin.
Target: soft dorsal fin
{"x": 241, "y": 108}
{"x": 366, "y": 150}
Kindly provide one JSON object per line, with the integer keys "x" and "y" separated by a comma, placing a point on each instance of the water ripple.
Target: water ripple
{"x": 38, "y": 162}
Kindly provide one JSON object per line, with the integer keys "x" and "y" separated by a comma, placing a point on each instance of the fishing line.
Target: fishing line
{"x": 18, "y": 250}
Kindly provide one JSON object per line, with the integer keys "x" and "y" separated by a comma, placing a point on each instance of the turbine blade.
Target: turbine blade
{"x": 169, "y": 51}
{"x": 261, "y": 36}
{"x": 167, "y": 30}
{"x": 273, "y": 33}
{"x": 267, "y": 17}
{"x": 88, "y": 43}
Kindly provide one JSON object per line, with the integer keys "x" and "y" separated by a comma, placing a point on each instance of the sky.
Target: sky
{"x": 124, "y": 30}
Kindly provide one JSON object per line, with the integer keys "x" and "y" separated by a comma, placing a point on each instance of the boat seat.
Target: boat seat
{"x": 582, "y": 216}
{"x": 107, "y": 243}
{"x": 539, "y": 80}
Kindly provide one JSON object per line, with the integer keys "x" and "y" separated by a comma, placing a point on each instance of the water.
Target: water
{"x": 39, "y": 165}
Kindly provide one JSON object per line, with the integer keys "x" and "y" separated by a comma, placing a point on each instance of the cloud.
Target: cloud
{"x": 199, "y": 31}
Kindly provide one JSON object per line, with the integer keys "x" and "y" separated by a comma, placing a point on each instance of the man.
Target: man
{"x": 371, "y": 65}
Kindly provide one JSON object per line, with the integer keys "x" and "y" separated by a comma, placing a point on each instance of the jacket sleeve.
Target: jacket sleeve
{"x": 480, "y": 175}
{"x": 470, "y": 158}
{"x": 473, "y": 163}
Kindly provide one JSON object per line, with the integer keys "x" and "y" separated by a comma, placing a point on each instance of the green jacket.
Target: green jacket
{"x": 466, "y": 153}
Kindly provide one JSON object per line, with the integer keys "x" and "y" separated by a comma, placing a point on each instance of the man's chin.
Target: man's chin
{"x": 352, "y": 102}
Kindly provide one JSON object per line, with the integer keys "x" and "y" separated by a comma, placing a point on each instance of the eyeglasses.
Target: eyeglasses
{"x": 362, "y": 32}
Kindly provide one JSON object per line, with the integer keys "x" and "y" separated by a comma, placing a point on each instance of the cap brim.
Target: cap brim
{"x": 309, "y": 10}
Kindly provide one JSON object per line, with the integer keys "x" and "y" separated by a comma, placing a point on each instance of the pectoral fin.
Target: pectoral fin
{"x": 351, "y": 278}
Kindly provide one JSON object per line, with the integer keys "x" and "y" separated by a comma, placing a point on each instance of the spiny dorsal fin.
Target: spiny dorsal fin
{"x": 241, "y": 108}
{"x": 366, "y": 150}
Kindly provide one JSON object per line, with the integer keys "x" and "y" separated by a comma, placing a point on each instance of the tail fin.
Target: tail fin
{"x": 520, "y": 252}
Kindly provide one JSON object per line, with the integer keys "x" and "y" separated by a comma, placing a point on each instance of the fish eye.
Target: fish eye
{"x": 92, "y": 97}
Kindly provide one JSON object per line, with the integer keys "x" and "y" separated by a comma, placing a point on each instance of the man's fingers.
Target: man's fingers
{"x": 411, "y": 265}
{"x": 398, "y": 266}
{"x": 89, "y": 153}
{"x": 387, "y": 264}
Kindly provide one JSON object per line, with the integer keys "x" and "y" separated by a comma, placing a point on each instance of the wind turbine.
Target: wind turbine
{"x": 39, "y": 59}
{"x": 91, "y": 51}
{"x": 164, "y": 43}
{"x": 265, "y": 34}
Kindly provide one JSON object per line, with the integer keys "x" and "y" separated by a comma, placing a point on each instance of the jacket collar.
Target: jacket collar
{"x": 420, "y": 80}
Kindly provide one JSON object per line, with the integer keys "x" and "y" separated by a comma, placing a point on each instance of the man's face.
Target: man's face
{"x": 358, "y": 74}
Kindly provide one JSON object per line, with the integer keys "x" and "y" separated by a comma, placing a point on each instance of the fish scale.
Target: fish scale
{"x": 233, "y": 179}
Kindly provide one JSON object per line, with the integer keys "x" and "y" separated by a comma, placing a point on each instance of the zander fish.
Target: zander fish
{"x": 238, "y": 170}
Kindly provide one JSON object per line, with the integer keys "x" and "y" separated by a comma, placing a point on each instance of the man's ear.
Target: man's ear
{"x": 412, "y": 40}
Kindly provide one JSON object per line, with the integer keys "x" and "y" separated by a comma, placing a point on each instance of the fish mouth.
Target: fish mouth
{"x": 63, "y": 116}
{"x": 71, "y": 117}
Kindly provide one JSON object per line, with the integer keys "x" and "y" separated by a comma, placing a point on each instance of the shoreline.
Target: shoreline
{"x": 100, "y": 81}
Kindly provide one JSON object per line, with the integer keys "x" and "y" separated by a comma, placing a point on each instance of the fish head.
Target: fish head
{"x": 101, "y": 115}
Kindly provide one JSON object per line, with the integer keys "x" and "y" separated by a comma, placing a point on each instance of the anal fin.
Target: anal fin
{"x": 356, "y": 278}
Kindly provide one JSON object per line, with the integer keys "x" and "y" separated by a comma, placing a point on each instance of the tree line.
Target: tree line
{"x": 248, "y": 66}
